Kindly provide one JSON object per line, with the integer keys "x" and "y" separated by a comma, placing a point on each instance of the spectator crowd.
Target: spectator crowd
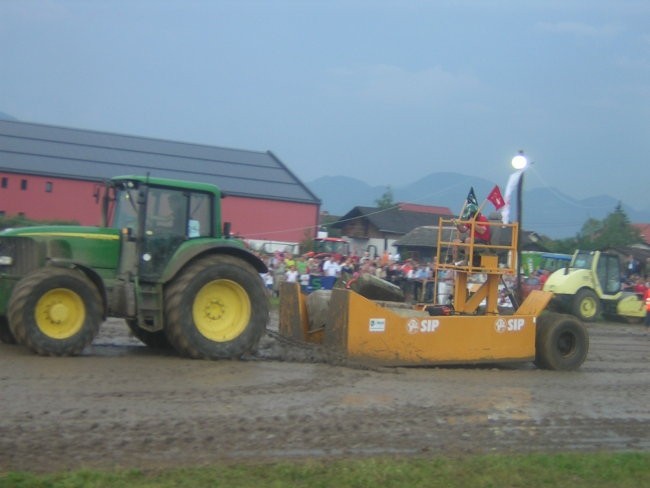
{"x": 416, "y": 279}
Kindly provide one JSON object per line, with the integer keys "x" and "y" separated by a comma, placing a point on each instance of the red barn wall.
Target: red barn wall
{"x": 67, "y": 199}
{"x": 270, "y": 220}
{"x": 251, "y": 218}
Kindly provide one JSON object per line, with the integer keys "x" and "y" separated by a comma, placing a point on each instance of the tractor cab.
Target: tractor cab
{"x": 156, "y": 219}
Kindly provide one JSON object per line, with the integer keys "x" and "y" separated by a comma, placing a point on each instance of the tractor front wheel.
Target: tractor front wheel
{"x": 586, "y": 305}
{"x": 216, "y": 308}
{"x": 55, "y": 311}
{"x": 561, "y": 342}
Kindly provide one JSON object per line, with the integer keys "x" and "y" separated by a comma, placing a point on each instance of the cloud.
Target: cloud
{"x": 393, "y": 85}
{"x": 578, "y": 29}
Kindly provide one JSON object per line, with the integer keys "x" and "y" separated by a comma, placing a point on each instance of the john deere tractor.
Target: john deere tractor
{"x": 161, "y": 261}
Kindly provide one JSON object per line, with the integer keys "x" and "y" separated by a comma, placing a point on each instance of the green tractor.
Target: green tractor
{"x": 590, "y": 285}
{"x": 161, "y": 261}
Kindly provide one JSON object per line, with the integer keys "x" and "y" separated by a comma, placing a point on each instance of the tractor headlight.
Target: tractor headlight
{"x": 6, "y": 260}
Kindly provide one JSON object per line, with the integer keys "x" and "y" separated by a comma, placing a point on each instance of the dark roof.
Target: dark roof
{"x": 393, "y": 220}
{"x": 89, "y": 155}
{"x": 640, "y": 252}
{"x": 427, "y": 236}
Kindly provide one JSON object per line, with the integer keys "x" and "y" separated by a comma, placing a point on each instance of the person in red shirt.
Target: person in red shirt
{"x": 640, "y": 287}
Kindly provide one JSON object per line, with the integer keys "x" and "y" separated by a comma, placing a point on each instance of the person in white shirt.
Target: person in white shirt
{"x": 331, "y": 267}
{"x": 291, "y": 276}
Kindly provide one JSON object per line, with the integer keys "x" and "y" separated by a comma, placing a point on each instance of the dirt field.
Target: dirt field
{"x": 123, "y": 405}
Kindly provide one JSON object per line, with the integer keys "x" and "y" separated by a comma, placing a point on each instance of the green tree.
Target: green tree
{"x": 386, "y": 200}
{"x": 588, "y": 234}
{"x": 615, "y": 230}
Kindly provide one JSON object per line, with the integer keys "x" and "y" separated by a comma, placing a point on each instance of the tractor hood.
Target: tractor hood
{"x": 96, "y": 247}
{"x": 568, "y": 281}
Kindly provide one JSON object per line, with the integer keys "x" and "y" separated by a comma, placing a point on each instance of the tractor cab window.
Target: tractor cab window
{"x": 166, "y": 212}
{"x": 609, "y": 274}
{"x": 178, "y": 213}
{"x": 583, "y": 261}
{"x": 122, "y": 209}
{"x": 200, "y": 221}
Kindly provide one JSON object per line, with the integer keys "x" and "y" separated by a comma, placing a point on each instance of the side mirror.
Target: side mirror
{"x": 128, "y": 234}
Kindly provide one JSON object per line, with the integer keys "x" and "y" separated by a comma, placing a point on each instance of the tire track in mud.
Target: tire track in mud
{"x": 127, "y": 406}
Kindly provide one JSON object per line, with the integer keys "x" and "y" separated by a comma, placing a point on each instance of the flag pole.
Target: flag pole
{"x": 480, "y": 208}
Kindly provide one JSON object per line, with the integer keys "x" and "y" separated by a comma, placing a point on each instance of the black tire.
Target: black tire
{"x": 561, "y": 342}
{"x": 155, "y": 340}
{"x": 586, "y": 305}
{"x": 216, "y": 308}
{"x": 55, "y": 312}
{"x": 6, "y": 336}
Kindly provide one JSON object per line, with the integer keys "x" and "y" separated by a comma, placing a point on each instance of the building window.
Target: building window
{"x": 5, "y": 182}
{"x": 48, "y": 186}
{"x": 23, "y": 184}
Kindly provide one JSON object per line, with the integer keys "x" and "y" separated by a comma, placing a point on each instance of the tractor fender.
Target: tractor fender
{"x": 188, "y": 254}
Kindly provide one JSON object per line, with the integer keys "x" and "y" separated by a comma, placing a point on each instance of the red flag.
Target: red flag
{"x": 496, "y": 198}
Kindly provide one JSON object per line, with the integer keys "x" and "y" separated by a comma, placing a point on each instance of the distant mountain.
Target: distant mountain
{"x": 546, "y": 211}
{"x": 4, "y": 116}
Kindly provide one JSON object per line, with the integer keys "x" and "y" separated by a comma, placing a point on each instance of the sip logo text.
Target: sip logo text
{"x": 509, "y": 325}
{"x": 415, "y": 326}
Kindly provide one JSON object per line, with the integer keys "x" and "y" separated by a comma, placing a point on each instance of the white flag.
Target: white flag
{"x": 510, "y": 187}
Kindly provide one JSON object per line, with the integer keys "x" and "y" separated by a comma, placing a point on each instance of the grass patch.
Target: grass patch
{"x": 619, "y": 470}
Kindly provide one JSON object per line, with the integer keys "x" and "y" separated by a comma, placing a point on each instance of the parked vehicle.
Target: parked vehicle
{"x": 591, "y": 285}
{"x": 329, "y": 246}
{"x": 547, "y": 261}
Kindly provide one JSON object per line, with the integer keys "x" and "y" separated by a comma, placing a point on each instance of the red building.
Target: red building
{"x": 56, "y": 173}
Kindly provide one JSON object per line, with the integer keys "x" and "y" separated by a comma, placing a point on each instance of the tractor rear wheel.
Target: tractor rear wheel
{"x": 586, "y": 305}
{"x": 216, "y": 308}
{"x": 55, "y": 312}
{"x": 6, "y": 335}
{"x": 561, "y": 342}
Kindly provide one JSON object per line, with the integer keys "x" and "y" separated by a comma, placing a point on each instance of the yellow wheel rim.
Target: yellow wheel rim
{"x": 60, "y": 313}
{"x": 221, "y": 310}
{"x": 588, "y": 307}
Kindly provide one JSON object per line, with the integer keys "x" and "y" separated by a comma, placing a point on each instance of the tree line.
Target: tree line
{"x": 615, "y": 230}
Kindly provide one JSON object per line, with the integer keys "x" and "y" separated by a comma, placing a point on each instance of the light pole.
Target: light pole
{"x": 519, "y": 162}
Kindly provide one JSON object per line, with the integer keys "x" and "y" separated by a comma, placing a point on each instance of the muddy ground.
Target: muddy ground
{"x": 123, "y": 405}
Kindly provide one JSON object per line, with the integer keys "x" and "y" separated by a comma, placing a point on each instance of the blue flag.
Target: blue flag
{"x": 471, "y": 197}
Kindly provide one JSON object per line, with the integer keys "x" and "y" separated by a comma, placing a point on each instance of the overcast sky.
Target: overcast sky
{"x": 383, "y": 91}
